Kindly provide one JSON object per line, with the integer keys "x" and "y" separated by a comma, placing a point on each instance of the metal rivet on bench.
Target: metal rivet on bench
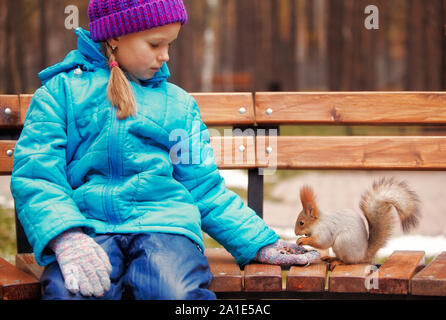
{"x": 242, "y": 148}
{"x": 222, "y": 273}
{"x": 260, "y": 272}
{"x": 9, "y": 153}
{"x": 269, "y": 150}
{"x": 269, "y": 111}
{"x": 242, "y": 110}
{"x": 8, "y": 111}
{"x": 347, "y": 273}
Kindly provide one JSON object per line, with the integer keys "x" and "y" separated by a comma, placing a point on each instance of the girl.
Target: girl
{"x": 102, "y": 201}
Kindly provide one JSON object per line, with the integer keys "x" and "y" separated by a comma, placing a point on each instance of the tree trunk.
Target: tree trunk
{"x": 335, "y": 44}
{"x": 416, "y": 66}
{"x": 43, "y": 35}
{"x": 433, "y": 39}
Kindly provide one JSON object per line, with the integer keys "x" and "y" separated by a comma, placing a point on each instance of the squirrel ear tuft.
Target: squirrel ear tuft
{"x": 309, "y": 209}
{"x": 308, "y": 200}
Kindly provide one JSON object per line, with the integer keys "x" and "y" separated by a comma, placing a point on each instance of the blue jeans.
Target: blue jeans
{"x": 148, "y": 266}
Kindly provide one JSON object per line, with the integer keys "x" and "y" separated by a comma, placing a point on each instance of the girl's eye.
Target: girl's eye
{"x": 154, "y": 45}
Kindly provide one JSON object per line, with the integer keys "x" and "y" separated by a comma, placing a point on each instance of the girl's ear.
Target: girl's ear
{"x": 113, "y": 42}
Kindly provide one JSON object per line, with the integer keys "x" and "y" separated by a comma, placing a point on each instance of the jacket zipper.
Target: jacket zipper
{"x": 114, "y": 167}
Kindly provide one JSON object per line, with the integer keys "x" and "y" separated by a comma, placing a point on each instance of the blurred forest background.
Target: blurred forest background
{"x": 259, "y": 45}
{"x": 256, "y": 45}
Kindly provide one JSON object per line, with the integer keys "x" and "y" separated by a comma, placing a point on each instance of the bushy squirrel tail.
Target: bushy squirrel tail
{"x": 376, "y": 205}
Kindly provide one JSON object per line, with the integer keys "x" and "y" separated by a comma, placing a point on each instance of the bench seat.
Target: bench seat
{"x": 402, "y": 275}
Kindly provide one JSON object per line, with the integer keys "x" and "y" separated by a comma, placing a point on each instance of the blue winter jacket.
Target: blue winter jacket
{"x": 77, "y": 165}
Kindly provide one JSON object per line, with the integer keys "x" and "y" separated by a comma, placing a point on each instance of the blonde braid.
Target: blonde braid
{"x": 119, "y": 90}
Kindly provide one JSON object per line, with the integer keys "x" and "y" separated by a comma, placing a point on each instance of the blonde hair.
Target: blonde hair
{"x": 119, "y": 90}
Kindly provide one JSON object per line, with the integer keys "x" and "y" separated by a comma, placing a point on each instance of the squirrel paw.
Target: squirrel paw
{"x": 332, "y": 261}
{"x": 335, "y": 263}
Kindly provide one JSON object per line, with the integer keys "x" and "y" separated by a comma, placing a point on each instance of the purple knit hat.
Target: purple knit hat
{"x": 114, "y": 18}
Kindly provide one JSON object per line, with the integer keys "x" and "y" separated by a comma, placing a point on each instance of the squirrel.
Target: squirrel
{"x": 353, "y": 238}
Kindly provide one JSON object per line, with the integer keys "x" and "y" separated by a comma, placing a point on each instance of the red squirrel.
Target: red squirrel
{"x": 353, "y": 238}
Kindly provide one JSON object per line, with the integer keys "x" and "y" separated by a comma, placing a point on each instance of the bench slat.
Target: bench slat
{"x": 27, "y": 263}
{"x": 226, "y": 151}
{"x": 16, "y": 284}
{"x": 228, "y": 154}
{"x": 431, "y": 280}
{"x": 307, "y": 279}
{"x": 373, "y": 108}
{"x": 11, "y": 117}
{"x": 395, "y": 273}
{"x": 262, "y": 278}
{"x": 396, "y": 153}
{"x": 225, "y": 109}
{"x": 349, "y": 278}
{"x": 25, "y": 101}
{"x": 6, "y": 161}
{"x": 303, "y": 108}
{"x": 217, "y": 109}
{"x": 227, "y": 276}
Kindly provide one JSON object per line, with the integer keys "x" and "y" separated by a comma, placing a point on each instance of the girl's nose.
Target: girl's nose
{"x": 164, "y": 56}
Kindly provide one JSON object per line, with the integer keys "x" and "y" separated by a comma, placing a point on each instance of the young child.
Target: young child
{"x": 103, "y": 201}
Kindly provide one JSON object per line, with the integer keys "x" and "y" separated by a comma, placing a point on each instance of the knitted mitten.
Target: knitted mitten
{"x": 84, "y": 264}
{"x": 286, "y": 254}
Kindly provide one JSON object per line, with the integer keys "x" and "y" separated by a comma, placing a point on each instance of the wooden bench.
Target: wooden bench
{"x": 255, "y": 145}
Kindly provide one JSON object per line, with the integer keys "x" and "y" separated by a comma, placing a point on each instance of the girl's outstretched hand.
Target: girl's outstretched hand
{"x": 84, "y": 264}
{"x": 286, "y": 254}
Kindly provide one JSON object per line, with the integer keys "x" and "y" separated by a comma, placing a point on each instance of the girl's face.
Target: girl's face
{"x": 143, "y": 53}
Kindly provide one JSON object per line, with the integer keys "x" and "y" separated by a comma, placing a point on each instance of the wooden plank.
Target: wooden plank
{"x": 16, "y": 284}
{"x": 217, "y": 109}
{"x": 307, "y": 279}
{"x": 395, "y": 153}
{"x": 431, "y": 281}
{"x": 229, "y": 152}
{"x": 226, "y": 109}
{"x": 226, "y": 272}
{"x": 234, "y": 152}
{"x": 27, "y": 263}
{"x": 395, "y": 273}
{"x": 6, "y": 159}
{"x": 351, "y": 278}
{"x": 262, "y": 278}
{"x": 373, "y": 108}
{"x": 9, "y": 111}
{"x": 25, "y": 101}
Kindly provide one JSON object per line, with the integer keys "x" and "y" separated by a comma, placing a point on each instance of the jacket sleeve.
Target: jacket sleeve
{"x": 39, "y": 181}
{"x": 224, "y": 215}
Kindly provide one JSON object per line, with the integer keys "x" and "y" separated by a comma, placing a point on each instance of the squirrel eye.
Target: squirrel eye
{"x": 301, "y": 223}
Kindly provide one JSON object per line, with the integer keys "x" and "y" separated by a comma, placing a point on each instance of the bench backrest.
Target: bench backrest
{"x": 257, "y": 147}
{"x": 352, "y": 152}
